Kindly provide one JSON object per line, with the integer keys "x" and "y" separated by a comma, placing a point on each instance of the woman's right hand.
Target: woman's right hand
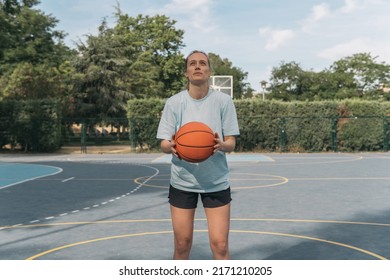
{"x": 168, "y": 147}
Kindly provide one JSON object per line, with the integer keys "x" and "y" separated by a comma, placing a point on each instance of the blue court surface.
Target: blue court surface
{"x": 329, "y": 206}
{"x": 16, "y": 173}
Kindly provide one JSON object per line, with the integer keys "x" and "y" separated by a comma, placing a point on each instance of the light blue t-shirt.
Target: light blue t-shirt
{"x": 216, "y": 110}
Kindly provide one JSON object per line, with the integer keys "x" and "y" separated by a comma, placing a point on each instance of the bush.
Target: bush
{"x": 284, "y": 126}
{"x": 33, "y": 125}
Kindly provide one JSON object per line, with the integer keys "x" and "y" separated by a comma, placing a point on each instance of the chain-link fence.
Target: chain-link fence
{"x": 348, "y": 134}
{"x": 259, "y": 134}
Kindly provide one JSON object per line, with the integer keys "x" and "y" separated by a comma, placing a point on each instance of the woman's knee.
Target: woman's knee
{"x": 183, "y": 244}
{"x": 220, "y": 247}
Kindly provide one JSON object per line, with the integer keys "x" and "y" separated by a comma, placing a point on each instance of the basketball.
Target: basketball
{"x": 195, "y": 142}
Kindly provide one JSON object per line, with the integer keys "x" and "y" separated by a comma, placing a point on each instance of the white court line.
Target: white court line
{"x": 66, "y": 180}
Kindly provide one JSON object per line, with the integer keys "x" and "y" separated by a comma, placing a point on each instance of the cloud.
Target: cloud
{"x": 276, "y": 38}
{"x": 185, "y": 6}
{"x": 357, "y": 45}
{"x": 318, "y": 13}
{"x": 197, "y": 14}
{"x": 349, "y": 6}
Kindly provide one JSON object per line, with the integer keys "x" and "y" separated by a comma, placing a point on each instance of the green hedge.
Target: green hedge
{"x": 144, "y": 116}
{"x": 348, "y": 125}
{"x": 33, "y": 125}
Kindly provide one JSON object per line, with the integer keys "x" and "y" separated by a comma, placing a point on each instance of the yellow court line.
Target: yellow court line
{"x": 311, "y": 221}
{"x": 339, "y": 178}
{"x": 235, "y": 231}
{"x": 307, "y": 161}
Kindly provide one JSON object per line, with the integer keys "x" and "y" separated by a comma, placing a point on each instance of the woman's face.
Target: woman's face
{"x": 198, "y": 69}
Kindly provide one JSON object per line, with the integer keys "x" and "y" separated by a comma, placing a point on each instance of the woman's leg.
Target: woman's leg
{"x": 183, "y": 228}
{"x": 218, "y": 224}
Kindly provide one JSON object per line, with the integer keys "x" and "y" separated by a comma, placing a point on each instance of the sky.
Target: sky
{"x": 255, "y": 35}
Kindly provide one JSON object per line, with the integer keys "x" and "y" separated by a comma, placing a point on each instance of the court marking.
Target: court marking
{"x": 281, "y": 181}
{"x": 310, "y": 160}
{"x": 230, "y": 158}
{"x": 68, "y": 179}
{"x": 377, "y": 256}
{"x": 199, "y": 219}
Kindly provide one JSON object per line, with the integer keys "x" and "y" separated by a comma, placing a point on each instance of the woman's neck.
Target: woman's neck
{"x": 198, "y": 91}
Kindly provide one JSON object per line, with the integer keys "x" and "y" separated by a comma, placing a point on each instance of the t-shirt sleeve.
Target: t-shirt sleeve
{"x": 229, "y": 119}
{"x": 166, "y": 127}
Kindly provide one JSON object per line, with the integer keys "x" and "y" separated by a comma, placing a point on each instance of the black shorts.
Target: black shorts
{"x": 189, "y": 200}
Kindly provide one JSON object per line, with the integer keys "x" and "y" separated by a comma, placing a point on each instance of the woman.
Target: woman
{"x": 208, "y": 179}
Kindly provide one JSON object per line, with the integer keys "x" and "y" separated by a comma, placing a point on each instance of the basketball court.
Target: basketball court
{"x": 114, "y": 206}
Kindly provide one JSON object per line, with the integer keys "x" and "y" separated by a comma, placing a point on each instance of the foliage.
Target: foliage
{"x": 369, "y": 77}
{"x": 31, "y": 53}
{"x": 298, "y": 126}
{"x": 357, "y": 76}
{"x": 138, "y": 58}
{"x": 28, "y": 35}
{"x": 143, "y": 127}
{"x": 161, "y": 41}
{"x": 31, "y": 125}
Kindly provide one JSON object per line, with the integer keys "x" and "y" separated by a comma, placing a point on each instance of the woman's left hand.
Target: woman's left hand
{"x": 227, "y": 145}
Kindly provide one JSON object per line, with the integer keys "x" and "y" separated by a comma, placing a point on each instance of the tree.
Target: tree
{"x": 357, "y": 76}
{"x": 31, "y": 52}
{"x": 285, "y": 81}
{"x": 161, "y": 41}
{"x": 369, "y": 76}
{"x": 225, "y": 67}
{"x": 28, "y": 35}
{"x": 137, "y": 58}
{"x": 101, "y": 64}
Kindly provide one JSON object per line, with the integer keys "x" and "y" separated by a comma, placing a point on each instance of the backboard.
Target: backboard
{"x": 222, "y": 83}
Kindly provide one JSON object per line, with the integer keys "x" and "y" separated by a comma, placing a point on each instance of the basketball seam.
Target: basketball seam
{"x": 178, "y": 138}
{"x": 191, "y": 131}
{"x": 196, "y": 147}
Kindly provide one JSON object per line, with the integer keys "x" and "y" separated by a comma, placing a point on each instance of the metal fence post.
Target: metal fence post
{"x": 386, "y": 134}
{"x": 133, "y": 134}
{"x": 282, "y": 134}
{"x": 335, "y": 121}
{"x": 83, "y": 137}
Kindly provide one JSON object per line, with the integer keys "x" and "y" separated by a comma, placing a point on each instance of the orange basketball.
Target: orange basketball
{"x": 195, "y": 142}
